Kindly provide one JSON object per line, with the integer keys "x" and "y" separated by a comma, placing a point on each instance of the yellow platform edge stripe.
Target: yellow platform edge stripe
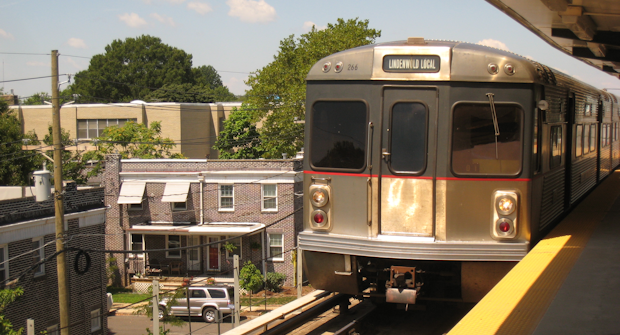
{"x": 519, "y": 301}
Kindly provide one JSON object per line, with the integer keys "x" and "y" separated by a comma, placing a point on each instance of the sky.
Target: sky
{"x": 238, "y": 37}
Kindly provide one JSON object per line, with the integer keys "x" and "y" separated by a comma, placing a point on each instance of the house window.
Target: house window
{"x": 227, "y": 198}
{"x": 179, "y": 206}
{"x": 137, "y": 244}
{"x": 38, "y": 254}
{"x": 95, "y": 320}
{"x": 270, "y": 197}
{"x": 276, "y": 247}
{"x": 173, "y": 242}
{"x": 53, "y": 330}
{"x": 4, "y": 264}
{"x": 91, "y": 128}
{"x": 237, "y": 243}
{"x": 135, "y": 207}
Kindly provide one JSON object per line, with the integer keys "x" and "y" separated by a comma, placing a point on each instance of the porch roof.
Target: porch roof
{"x": 212, "y": 228}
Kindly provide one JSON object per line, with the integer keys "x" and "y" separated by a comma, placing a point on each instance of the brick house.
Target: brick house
{"x": 164, "y": 204}
{"x": 27, "y": 235}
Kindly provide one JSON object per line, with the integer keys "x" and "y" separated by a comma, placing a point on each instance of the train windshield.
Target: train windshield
{"x": 475, "y": 147}
{"x": 338, "y": 135}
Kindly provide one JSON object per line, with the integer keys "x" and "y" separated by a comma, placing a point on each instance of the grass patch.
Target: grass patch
{"x": 257, "y": 301}
{"x": 130, "y": 298}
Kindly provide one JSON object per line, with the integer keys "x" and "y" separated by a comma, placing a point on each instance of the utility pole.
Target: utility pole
{"x": 61, "y": 264}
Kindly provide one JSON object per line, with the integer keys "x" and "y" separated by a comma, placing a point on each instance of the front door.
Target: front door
{"x": 193, "y": 255}
{"x": 214, "y": 255}
{"x": 408, "y": 161}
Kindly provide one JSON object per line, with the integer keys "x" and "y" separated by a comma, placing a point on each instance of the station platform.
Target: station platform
{"x": 569, "y": 283}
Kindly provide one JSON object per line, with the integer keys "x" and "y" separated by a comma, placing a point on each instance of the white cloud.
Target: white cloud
{"x": 199, "y": 7}
{"x": 6, "y": 35}
{"x": 308, "y": 26}
{"x": 251, "y": 11}
{"x": 164, "y": 19}
{"x": 132, "y": 20}
{"x": 77, "y": 43}
{"x": 44, "y": 64}
{"x": 175, "y": 2}
{"x": 494, "y": 44}
{"x": 236, "y": 86}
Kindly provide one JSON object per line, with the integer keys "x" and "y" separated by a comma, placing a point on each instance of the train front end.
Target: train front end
{"x": 416, "y": 170}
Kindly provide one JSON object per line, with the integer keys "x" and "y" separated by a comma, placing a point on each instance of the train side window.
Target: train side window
{"x": 556, "y": 147}
{"x": 579, "y": 140}
{"x": 476, "y": 150}
{"x": 338, "y": 135}
{"x": 536, "y": 143}
{"x": 408, "y": 137}
{"x": 586, "y": 139}
{"x": 592, "y": 138}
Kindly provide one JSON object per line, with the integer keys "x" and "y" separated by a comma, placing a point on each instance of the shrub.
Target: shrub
{"x": 274, "y": 281}
{"x": 250, "y": 277}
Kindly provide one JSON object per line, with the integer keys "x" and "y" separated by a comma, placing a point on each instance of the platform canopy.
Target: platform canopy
{"x": 586, "y": 29}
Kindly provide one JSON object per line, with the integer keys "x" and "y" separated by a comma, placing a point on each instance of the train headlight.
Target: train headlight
{"x": 506, "y": 205}
{"x": 319, "y": 197}
{"x": 319, "y": 219}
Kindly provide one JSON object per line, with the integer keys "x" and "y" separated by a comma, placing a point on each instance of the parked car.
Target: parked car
{"x": 204, "y": 301}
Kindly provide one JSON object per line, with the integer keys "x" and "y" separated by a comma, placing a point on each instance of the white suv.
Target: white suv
{"x": 204, "y": 301}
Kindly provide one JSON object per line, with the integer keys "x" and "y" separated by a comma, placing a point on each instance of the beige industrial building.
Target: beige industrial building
{"x": 194, "y": 127}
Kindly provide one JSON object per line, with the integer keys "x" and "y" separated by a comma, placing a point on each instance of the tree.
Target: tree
{"x": 129, "y": 69}
{"x": 132, "y": 140}
{"x": 15, "y": 164}
{"x": 37, "y": 99}
{"x": 7, "y": 296}
{"x": 278, "y": 90}
{"x": 208, "y": 76}
{"x": 239, "y": 139}
{"x": 190, "y": 93}
{"x": 250, "y": 279}
{"x": 73, "y": 163}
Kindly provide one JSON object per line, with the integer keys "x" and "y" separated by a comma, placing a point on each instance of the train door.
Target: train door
{"x": 407, "y": 175}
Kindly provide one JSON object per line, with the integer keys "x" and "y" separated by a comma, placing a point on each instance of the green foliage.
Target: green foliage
{"x": 73, "y": 164}
{"x": 172, "y": 297}
{"x": 15, "y": 164}
{"x": 111, "y": 269}
{"x": 207, "y": 75}
{"x": 37, "y": 98}
{"x": 278, "y": 90}
{"x": 161, "y": 331}
{"x": 132, "y": 140}
{"x": 8, "y": 296}
{"x": 128, "y": 69}
{"x": 190, "y": 93}
{"x": 274, "y": 281}
{"x": 250, "y": 277}
{"x": 230, "y": 247}
{"x": 239, "y": 139}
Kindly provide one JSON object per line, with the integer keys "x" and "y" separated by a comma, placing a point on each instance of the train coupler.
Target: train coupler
{"x": 402, "y": 288}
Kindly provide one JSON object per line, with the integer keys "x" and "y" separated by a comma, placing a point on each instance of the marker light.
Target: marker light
{"x": 327, "y": 66}
{"x": 509, "y": 69}
{"x": 338, "y": 67}
{"x": 319, "y": 197}
{"x": 493, "y": 68}
{"x": 319, "y": 219}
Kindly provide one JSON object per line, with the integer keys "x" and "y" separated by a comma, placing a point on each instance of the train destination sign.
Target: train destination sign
{"x": 411, "y": 63}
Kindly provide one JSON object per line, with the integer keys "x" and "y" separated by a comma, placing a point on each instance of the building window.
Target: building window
{"x": 38, "y": 254}
{"x": 270, "y": 197}
{"x": 179, "y": 206}
{"x": 135, "y": 207}
{"x": 53, "y": 330}
{"x": 4, "y": 264}
{"x": 137, "y": 244}
{"x": 237, "y": 243}
{"x": 91, "y": 128}
{"x": 276, "y": 247}
{"x": 227, "y": 197}
{"x": 95, "y": 320}
{"x": 173, "y": 242}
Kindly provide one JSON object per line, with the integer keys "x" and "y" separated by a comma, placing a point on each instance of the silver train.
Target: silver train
{"x": 432, "y": 167}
